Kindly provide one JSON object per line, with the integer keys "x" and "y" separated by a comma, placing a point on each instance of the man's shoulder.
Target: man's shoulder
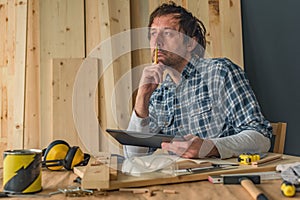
{"x": 218, "y": 62}
{"x": 217, "y": 66}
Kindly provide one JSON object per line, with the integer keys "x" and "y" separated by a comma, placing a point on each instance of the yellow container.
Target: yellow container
{"x": 22, "y": 171}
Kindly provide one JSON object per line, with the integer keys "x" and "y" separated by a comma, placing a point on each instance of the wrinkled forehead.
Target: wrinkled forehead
{"x": 169, "y": 21}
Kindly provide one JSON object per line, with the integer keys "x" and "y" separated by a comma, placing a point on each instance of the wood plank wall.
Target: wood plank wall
{"x": 42, "y": 46}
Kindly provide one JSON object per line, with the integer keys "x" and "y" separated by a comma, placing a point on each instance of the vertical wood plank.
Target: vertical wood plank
{"x": 215, "y": 28}
{"x": 3, "y": 111}
{"x": 64, "y": 74}
{"x": 93, "y": 39}
{"x": 3, "y": 32}
{"x": 3, "y": 75}
{"x": 231, "y": 30}
{"x": 18, "y": 99}
{"x": 141, "y": 9}
{"x": 62, "y": 36}
{"x": 140, "y": 56}
{"x": 85, "y": 104}
{"x": 32, "y": 95}
{"x": 92, "y": 24}
{"x": 153, "y": 5}
{"x": 1, "y": 103}
{"x": 105, "y": 33}
{"x": 222, "y": 20}
{"x": 120, "y": 21}
{"x": 201, "y": 10}
{"x": 113, "y": 18}
{"x": 10, "y": 35}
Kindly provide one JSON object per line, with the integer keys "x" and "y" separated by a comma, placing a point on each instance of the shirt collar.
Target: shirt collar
{"x": 189, "y": 69}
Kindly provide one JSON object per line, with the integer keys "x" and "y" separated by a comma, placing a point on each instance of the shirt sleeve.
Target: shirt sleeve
{"x": 247, "y": 141}
{"x": 235, "y": 101}
{"x": 140, "y": 125}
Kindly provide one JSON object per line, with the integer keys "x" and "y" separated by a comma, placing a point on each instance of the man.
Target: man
{"x": 208, "y": 101}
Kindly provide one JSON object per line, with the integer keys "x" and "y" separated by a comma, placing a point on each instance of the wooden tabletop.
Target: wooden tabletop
{"x": 53, "y": 180}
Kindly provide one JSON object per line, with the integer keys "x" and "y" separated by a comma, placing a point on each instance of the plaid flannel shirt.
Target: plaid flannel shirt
{"x": 213, "y": 99}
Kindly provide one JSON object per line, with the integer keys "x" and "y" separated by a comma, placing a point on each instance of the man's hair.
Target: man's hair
{"x": 188, "y": 24}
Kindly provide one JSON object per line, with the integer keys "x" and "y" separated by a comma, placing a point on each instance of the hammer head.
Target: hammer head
{"x": 236, "y": 179}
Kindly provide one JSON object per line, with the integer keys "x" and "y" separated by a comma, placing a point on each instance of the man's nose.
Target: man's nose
{"x": 159, "y": 40}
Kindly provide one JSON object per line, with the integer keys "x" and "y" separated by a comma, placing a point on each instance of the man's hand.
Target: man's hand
{"x": 152, "y": 76}
{"x": 193, "y": 147}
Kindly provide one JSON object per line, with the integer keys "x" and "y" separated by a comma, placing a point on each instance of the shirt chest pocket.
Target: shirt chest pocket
{"x": 200, "y": 108}
{"x": 165, "y": 121}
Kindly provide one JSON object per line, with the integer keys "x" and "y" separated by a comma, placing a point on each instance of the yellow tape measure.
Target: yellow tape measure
{"x": 248, "y": 158}
{"x": 288, "y": 189}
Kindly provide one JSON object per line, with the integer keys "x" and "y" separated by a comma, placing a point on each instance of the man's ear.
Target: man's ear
{"x": 191, "y": 44}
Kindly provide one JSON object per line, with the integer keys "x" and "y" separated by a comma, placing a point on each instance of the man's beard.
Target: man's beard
{"x": 171, "y": 59}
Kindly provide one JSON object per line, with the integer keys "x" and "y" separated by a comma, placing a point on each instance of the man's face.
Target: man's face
{"x": 164, "y": 32}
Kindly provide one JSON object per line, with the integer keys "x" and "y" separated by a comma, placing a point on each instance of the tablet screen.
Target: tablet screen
{"x": 153, "y": 140}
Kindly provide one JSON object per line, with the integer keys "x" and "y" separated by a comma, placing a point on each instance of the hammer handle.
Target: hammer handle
{"x": 252, "y": 189}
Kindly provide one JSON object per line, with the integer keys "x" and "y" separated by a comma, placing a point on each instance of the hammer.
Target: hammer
{"x": 248, "y": 183}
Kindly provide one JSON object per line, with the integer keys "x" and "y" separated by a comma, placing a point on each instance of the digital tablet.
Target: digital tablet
{"x": 153, "y": 140}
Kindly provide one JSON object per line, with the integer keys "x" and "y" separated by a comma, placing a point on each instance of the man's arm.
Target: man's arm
{"x": 151, "y": 77}
{"x": 139, "y": 125}
{"x": 247, "y": 141}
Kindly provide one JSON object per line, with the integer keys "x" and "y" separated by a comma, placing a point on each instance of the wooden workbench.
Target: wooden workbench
{"x": 52, "y": 180}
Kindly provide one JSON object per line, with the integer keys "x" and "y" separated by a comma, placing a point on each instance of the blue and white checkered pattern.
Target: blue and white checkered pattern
{"x": 213, "y": 99}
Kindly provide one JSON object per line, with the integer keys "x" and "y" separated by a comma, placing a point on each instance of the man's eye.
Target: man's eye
{"x": 167, "y": 33}
{"x": 153, "y": 34}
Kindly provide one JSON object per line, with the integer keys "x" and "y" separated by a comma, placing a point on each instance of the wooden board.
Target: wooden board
{"x": 160, "y": 178}
{"x": 18, "y": 79}
{"x": 73, "y": 96}
{"x": 61, "y": 36}
{"x": 3, "y": 111}
{"x": 63, "y": 77}
{"x": 100, "y": 170}
{"x": 32, "y": 87}
{"x": 112, "y": 17}
{"x": 3, "y": 32}
{"x": 223, "y": 23}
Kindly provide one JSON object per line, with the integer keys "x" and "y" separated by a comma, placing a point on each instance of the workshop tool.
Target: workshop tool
{"x": 248, "y": 158}
{"x": 22, "y": 171}
{"x": 263, "y": 176}
{"x": 291, "y": 180}
{"x": 248, "y": 183}
{"x": 288, "y": 189}
{"x": 213, "y": 167}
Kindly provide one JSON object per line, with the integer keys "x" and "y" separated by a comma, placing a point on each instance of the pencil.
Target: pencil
{"x": 156, "y": 55}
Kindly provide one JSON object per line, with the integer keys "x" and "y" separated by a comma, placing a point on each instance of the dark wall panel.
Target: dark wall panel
{"x": 271, "y": 37}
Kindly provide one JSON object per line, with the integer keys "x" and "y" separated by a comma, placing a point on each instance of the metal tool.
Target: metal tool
{"x": 248, "y": 184}
{"x": 263, "y": 176}
{"x": 76, "y": 192}
{"x": 196, "y": 170}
